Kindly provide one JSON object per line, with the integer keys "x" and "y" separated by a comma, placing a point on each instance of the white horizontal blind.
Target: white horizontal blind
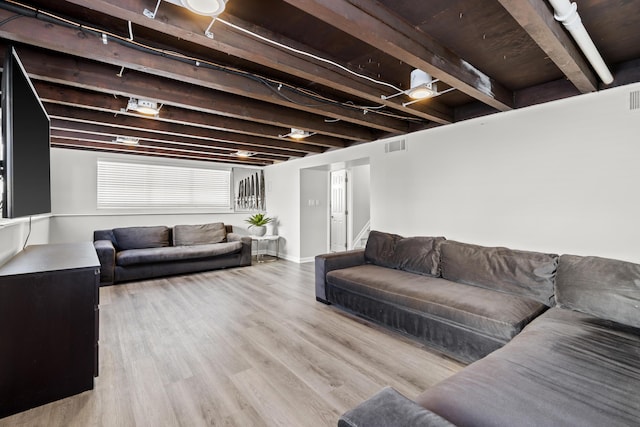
{"x": 138, "y": 185}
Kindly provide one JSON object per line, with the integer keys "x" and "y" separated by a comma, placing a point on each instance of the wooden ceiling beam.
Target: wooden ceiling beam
{"x": 382, "y": 29}
{"x": 70, "y": 96}
{"x": 46, "y": 66}
{"x": 536, "y": 18}
{"x": 112, "y": 105}
{"x": 246, "y": 47}
{"x": 149, "y": 151}
{"x": 94, "y": 132}
{"x": 162, "y": 145}
{"x": 86, "y": 44}
{"x": 148, "y": 128}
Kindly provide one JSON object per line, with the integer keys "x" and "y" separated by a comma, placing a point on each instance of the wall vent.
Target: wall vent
{"x": 397, "y": 145}
{"x": 634, "y": 100}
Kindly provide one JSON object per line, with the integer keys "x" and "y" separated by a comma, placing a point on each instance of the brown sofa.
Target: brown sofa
{"x": 133, "y": 253}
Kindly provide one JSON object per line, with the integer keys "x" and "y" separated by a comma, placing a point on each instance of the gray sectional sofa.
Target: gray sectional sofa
{"x": 466, "y": 300}
{"x": 575, "y": 364}
{"x": 134, "y": 253}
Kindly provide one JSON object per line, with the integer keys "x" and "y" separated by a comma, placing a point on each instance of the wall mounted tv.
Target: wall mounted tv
{"x": 25, "y": 141}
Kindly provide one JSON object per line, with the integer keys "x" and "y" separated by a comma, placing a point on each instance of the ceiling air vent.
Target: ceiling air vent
{"x": 634, "y": 100}
{"x": 397, "y": 145}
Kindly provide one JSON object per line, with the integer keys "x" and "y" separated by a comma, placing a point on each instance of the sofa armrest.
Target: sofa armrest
{"x": 245, "y": 253}
{"x": 107, "y": 256}
{"x": 335, "y": 261}
{"x": 390, "y": 408}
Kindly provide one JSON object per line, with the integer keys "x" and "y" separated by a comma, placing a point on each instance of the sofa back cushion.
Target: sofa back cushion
{"x": 104, "y": 235}
{"x": 141, "y": 237}
{"x": 522, "y": 273}
{"x": 202, "y": 234}
{"x": 605, "y": 288}
{"x": 420, "y": 255}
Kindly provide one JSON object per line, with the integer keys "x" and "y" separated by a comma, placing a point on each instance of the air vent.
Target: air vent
{"x": 397, "y": 145}
{"x": 634, "y": 100}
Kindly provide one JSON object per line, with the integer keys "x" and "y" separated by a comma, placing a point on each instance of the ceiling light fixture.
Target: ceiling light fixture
{"x": 144, "y": 106}
{"x": 205, "y": 7}
{"x": 126, "y": 140}
{"x": 422, "y": 86}
{"x": 297, "y": 134}
{"x": 243, "y": 154}
{"x": 211, "y": 8}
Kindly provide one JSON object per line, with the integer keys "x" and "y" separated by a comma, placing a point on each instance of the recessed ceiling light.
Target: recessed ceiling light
{"x": 205, "y": 7}
{"x": 422, "y": 85}
{"x": 144, "y": 106}
{"x": 127, "y": 140}
{"x": 243, "y": 154}
{"x": 297, "y": 134}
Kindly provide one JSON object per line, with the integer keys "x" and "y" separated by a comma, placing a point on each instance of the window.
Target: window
{"x": 139, "y": 185}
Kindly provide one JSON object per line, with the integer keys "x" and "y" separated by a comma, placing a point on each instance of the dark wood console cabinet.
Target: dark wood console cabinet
{"x": 49, "y": 296}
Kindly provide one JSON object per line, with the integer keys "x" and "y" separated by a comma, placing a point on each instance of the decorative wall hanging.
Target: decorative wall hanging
{"x": 249, "y": 190}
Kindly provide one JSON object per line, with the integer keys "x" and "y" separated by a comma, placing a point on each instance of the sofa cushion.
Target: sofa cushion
{"x": 390, "y": 408}
{"x": 141, "y": 237}
{"x": 523, "y": 273}
{"x": 175, "y": 253}
{"x": 602, "y": 287}
{"x": 420, "y": 255}
{"x": 564, "y": 369}
{"x": 491, "y": 313}
{"x": 188, "y": 235}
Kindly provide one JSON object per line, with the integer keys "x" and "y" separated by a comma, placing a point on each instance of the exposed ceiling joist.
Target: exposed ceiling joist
{"x": 59, "y": 131}
{"x": 244, "y": 46}
{"x": 74, "y": 41}
{"x": 104, "y": 78}
{"x": 57, "y": 142}
{"x": 150, "y": 128}
{"x": 380, "y": 28}
{"x": 537, "y": 19}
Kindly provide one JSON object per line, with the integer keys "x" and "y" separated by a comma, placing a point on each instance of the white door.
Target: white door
{"x": 338, "y": 226}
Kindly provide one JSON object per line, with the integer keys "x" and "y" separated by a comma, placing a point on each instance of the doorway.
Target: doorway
{"x": 338, "y": 211}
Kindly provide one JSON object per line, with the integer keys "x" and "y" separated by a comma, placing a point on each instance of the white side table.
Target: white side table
{"x": 258, "y": 239}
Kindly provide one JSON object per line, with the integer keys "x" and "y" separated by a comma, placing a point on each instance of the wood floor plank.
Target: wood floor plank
{"x": 239, "y": 347}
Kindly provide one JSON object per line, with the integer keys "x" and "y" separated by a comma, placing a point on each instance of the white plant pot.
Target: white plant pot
{"x": 258, "y": 230}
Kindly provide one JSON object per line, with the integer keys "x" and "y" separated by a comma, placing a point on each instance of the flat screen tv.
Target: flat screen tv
{"x": 25, "y": 141}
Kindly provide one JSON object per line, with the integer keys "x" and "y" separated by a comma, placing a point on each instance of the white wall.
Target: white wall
{"x": 559, "y": 177}
{"x": 13, "y": 234}
{"x": 314, "y": 190}
{"x": 360, "y": 196}
{"x": 74, "y": 200}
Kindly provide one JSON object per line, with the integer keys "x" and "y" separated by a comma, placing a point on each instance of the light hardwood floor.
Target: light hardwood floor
{"x": 239, "y": 347}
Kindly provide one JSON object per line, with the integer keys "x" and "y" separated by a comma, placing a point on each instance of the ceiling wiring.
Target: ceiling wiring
{"x": 275, "y": 85}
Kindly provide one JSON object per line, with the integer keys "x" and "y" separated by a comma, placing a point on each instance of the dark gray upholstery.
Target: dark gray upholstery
{"x": 161, "y": 259}
{"x": 602, "y": 287}
{"x": 141, "y": 237}
{"x": 499, "y": 315}
{"x": 577, "y": 364}
{"x": 464, "y": 321}
{"x": 107, "y": 256}
{"x": 388, "y": 408}
{"x": 418, "y": 255}
{"x": 329, "y": 262}
{"x": 175, "y": 253}
{"x": 565, "y": 369}
{"x": 528, "y": 274}
{"x": 202, "y": 234}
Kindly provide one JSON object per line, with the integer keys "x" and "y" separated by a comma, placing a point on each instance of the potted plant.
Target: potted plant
{"x": 258, "y": 224}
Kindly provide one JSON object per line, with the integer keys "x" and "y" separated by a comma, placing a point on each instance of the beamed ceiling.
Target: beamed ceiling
{"x": 239, "y": 92}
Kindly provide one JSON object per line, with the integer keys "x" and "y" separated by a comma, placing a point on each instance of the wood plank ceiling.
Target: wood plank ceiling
{"x": 241, "y": 91}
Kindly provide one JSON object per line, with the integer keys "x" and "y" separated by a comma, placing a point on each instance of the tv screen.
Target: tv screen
{"x": 26, "y": 141}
